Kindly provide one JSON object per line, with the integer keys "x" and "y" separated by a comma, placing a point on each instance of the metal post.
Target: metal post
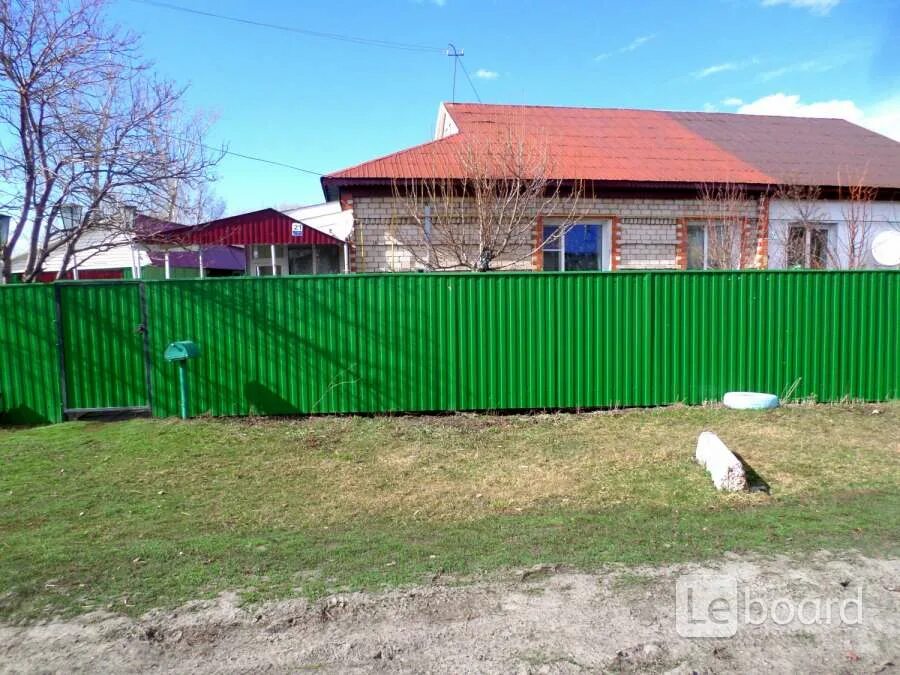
{"x": 183, "y": 384}
{"x": 4, "y": 236}
{"x": 200, "y": 259}
{"x": 272, "y": 252}
{"x": 135, "y": 262}
{"x": 167, "y": 265}
{"x": 346, "y": 258}
{"x": 74, "y": 266}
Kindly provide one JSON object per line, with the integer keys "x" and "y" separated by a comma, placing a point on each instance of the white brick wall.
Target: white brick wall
{"x": 648, "y": 231}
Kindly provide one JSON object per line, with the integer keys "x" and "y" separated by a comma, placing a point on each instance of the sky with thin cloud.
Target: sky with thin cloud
{"x": 324, "y": 104}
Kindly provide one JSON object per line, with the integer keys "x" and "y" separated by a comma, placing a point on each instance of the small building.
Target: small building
{"x": 147, "y": 252}
{"x": 278, "y": 242}
{"x": 299, "y": 240}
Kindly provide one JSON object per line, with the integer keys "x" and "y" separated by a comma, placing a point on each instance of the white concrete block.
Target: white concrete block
{"x": 726, "y": 470}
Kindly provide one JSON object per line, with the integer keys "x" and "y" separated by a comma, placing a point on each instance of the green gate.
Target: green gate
{"x": 103, "y": 357}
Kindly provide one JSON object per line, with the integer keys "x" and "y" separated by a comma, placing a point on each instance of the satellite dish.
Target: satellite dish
{"x": 886, "y": 248}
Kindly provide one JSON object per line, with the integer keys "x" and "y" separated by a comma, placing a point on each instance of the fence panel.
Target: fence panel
{"x": 29, "y": 358}
{"x": 103, "y": 346}
{"x": 438, "y": 342}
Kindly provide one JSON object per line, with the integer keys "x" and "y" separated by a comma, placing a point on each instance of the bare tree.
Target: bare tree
{"x": 726, "y": 207}
{"x": 484, "y": 216}
{"x": 191, "y": 202}
{"x": 96, "y": 137}
{"x": 856, "y": 211}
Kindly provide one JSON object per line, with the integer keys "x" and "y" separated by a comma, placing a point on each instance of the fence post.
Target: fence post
{"x": 145, "y": 334}
{"x": 60, "y": 351}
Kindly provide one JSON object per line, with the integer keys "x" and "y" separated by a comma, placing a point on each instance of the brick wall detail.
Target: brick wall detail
{"x": 645, "y": 233}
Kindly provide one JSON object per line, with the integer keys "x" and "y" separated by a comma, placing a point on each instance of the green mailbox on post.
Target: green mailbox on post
{"x": 180, "y": 353}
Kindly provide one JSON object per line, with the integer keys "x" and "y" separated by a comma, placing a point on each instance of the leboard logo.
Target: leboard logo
{"x": 710, "y": 606}
{"x": 706, "y": 605}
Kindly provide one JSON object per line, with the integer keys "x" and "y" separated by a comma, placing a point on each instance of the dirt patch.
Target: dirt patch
{"x": 535, "y": 621}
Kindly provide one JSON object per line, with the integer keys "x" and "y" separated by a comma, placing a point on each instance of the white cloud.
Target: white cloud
{"x": 724, "y": 67}
{"x": 718, "y": 68}
{"x": 813, "y": 65}
{"x": 820, "y": 7}
{"x": 484, "y": 74}
{"x": 732, "y": 101}
{"x": 883, "y": 117}
{"x": 637, "y": 43}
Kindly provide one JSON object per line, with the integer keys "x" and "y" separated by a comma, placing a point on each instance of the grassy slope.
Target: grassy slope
{"x": 144, "y": 513}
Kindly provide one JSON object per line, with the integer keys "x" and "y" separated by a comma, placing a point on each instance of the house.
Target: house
{"x": 641, "y": 189}
{"x": 147, "y": 252}
{"x": 298, "y": 240}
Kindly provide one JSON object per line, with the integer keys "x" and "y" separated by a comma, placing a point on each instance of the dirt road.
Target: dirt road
{"x": 542, "y": 621}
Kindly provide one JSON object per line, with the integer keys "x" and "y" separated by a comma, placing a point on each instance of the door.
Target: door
{"x": 102, "y": 329}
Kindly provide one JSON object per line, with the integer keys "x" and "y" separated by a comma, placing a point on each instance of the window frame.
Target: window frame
{"x": 604, "y": 225}
{"x": 828, "y": 227}
{"x": 704, "y": 226}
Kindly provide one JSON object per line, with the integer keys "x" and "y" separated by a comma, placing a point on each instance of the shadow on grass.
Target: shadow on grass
{"x": 755, "y": 482}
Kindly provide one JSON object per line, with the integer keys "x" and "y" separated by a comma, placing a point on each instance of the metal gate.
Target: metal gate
{"x": 103, "y": 348}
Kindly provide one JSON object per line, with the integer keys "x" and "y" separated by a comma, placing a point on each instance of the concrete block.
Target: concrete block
{"x": 726, "y": 469}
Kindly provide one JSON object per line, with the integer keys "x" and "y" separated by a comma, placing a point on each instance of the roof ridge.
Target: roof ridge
{"x": 640, "y": 110}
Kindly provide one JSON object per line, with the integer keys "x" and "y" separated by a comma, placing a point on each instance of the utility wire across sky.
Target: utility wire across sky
{"x": 372, "y": 42}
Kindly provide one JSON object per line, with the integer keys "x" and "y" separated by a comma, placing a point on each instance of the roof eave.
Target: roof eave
{"x": 333, "y": 184}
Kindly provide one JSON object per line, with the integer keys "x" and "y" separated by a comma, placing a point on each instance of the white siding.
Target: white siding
{"x": 327, "y": 218}
{"x": 881, "y": 216}
{"x": 113, "y": 251}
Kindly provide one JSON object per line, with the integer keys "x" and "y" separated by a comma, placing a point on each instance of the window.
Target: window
{"x": 266, "y": 270}
{"x": 579, "y": 248}
{"x": 710, "y": 246}
{"x": 328, "y": 259}
{"x": 300, "y": 260}
{"x": 314, "y": 259}
{"x": 807, "y": 245}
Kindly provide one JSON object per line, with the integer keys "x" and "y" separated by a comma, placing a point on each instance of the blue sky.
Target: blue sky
{"x": 324, "y": 104}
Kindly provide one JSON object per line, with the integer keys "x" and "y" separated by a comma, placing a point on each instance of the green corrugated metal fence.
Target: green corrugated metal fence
{"x": 435, "y": 342}
{"x": 29, "y": 355}
{"x": 103, "y": 346}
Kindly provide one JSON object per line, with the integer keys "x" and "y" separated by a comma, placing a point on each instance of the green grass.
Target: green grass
{"x": 146, "y": 513}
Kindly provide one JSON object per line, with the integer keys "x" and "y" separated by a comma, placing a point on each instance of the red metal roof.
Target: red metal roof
{"x": 267, "y": 226}
{"x": 654, "y": 147}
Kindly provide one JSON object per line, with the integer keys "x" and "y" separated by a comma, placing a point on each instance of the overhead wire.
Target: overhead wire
{"x": 471, "y": 84}
{"x": 245, "y": 156}
{"x": 405, "y": 46}
{"x": 372, "y": 42}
